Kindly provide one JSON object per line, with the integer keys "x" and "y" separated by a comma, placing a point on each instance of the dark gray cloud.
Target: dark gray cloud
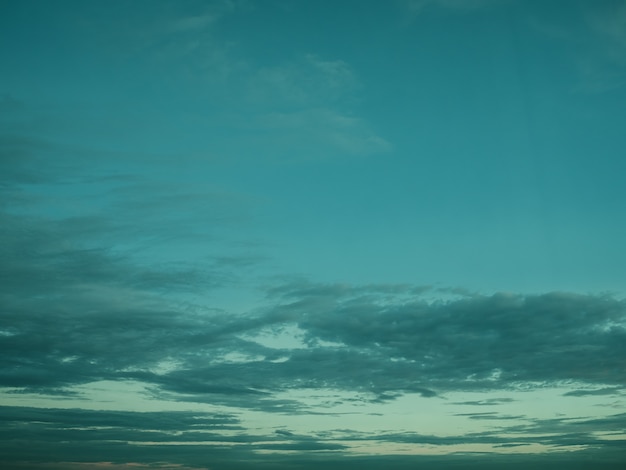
{"x": 74, "y": 315}
{"x": 472, "y": 342}
{"x": 72, "y": 419}
{"x": 210, "y": 439}
{"x": 122, "y": 436}
{"x": 489, "y": 415}
{"x": 76, "y": 310}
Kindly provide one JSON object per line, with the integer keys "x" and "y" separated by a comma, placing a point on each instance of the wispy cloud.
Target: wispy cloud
{"x": 417, "y": 6}
{"x": 599, "y": 59}
{"x": 306, "y": 81}
{"x": 164, "y": 30}
{"x": 305, "y": 109}
{"x": 188, "y": 438}
{"x": 319, "y": 133}
{"x": 594, "y": 392}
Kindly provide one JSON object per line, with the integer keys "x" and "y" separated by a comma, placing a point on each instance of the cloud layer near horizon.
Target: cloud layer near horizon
{"x": 198, "y": 439}
{"x": 73, "y": 316}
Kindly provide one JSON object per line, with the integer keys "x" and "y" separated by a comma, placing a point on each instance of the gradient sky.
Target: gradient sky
{"x": 288, "y": 234}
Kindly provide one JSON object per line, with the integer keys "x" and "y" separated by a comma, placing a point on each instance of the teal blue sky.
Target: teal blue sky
{"x": 339, "y": 230}
{"x": 468, "y": 145}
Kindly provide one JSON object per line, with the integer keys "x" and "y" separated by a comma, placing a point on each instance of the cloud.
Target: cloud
{"x": 92, "y": 465}
{"x": 418, "y": 6}
{"x": 304, "y": 108}
{"x": 26, "y": 160}
{"x": 169, "y": 438}
{"x": 111, "y": 439}
{"x": 594, "y": 392}
{"x": 483, "y": 342}
{"x": 319, "y": 133}
{"x": 590, "y": 35}
{"x": 604, "y": 64}
{"x": 598, "y": 60}
{"x": 307, "y": 81}
{"x": 76, "y": 310}
{"x": 113, "y": 278}
{"x": 162, "y": 30}
{"x": 487, "y": 402}
{"x": 165, "y": 422}
{"x": 77, "y": 316}
{"x": 490, "y": 416}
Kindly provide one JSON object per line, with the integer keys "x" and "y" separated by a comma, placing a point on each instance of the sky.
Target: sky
{"x": 294, "y": 234}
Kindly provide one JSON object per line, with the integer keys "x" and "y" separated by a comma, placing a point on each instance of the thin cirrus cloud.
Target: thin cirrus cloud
{"x": 310, "y": 101}
{"x": 302, "y": 107}
{"x": 597, "y": 64}
{"x": 416, "y": 7}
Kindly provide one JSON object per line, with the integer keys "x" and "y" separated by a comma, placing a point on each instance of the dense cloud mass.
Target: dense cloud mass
{"x": 476, "y": 341}
{"x": 73, "y": 316}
